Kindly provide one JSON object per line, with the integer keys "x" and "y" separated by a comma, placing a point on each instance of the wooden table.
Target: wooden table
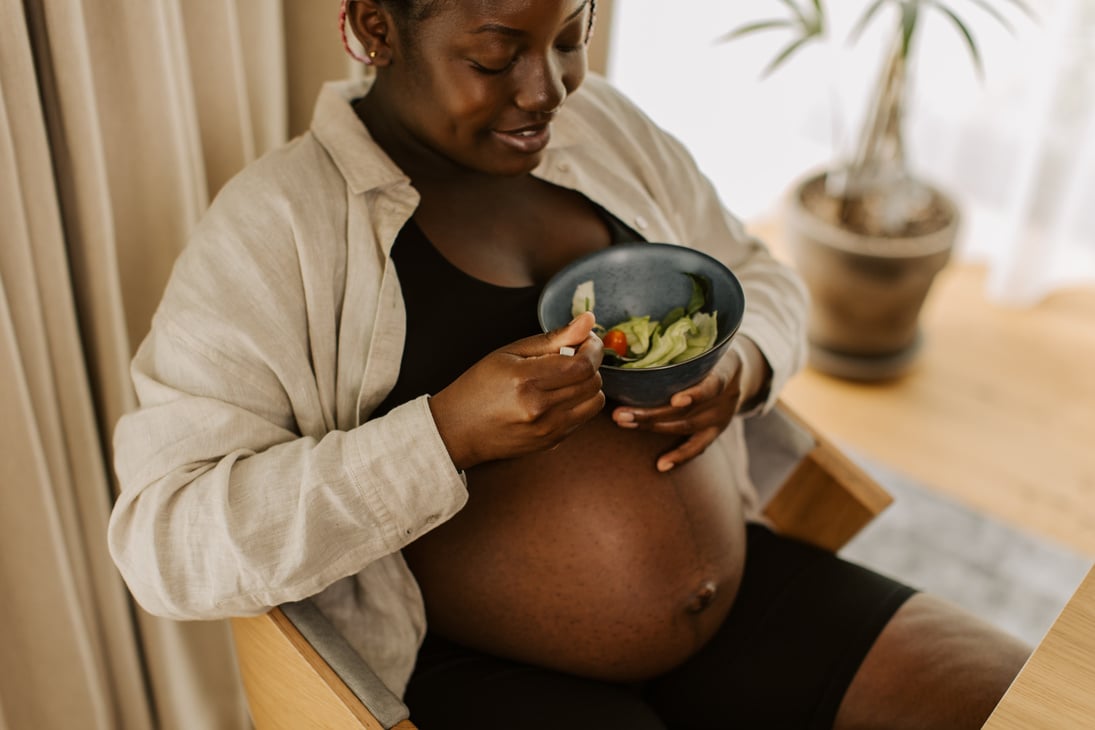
{"x": 1056, "y": 688}
{"x": 996, "y": 414}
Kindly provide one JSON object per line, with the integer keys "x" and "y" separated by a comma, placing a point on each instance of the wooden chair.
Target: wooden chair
{"x": 298, "y": 672}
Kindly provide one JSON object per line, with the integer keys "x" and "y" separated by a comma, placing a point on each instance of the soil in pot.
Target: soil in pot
{"x": 923, "y": 211}
{"x": 867, "y": 286}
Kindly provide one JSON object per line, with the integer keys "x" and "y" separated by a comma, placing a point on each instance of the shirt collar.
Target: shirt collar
{"x": 337, "y": 127}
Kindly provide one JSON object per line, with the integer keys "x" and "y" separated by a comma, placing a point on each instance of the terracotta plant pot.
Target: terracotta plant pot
{"x": 867, "y": 290}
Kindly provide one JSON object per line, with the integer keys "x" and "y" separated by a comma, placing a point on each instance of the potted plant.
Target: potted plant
{"x": 867, "y": 235}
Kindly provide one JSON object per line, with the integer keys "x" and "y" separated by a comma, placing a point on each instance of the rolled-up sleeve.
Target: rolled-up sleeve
{"x": 271, "y": 518}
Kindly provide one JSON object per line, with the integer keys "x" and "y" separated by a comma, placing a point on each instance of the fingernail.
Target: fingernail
{"x": 625, "y": 417}
{"x": 682, "y": 402}
{"x": 664, "y": 466}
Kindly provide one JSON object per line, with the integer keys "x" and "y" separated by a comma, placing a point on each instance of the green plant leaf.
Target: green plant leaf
{"x": 1026, "y": 9}
{"x": 751, "y": 28}
{"x": 806, "y": 24}
{"x": 991, "y": 10}
{"x": 970, "y": 43}
{"x": 910, "y": 13}
{"x": 807, "y": 21}
{"x": 786, "y": 53}
{"x": 796, "y": 10}
{"x": 865, "y": 19}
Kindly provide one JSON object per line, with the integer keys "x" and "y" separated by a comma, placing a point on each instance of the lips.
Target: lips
{"x": 528, "y": 139}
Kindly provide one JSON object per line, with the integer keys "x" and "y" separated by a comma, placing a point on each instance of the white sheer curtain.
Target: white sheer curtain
{"x": 118, "y": 120}
{"x": 1016, "y": 147}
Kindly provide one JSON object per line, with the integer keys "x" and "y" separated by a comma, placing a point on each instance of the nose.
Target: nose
{"x": 543, "y": 88}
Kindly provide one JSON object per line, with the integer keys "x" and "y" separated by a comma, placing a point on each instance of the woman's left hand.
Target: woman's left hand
{"x": 702, "y": 411}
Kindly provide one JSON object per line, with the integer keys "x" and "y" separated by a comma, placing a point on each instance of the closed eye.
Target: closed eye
{"x": 491, "y": 70}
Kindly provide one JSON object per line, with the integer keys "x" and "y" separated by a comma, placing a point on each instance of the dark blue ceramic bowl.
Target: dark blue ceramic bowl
{"x": 637, "y": 279}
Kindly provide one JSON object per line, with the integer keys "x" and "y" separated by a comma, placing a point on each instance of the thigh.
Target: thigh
{"x": 802, "y": 623}
{"x": 454, "y": 687}
{"x": 934, "y": 665}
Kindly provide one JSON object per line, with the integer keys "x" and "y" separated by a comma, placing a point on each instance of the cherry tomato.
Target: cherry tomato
{"x": 617, "y": 341}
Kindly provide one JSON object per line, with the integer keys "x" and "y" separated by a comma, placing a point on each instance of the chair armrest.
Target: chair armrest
{"x": 809, "y": 489}
{"x": 298, "y": 671}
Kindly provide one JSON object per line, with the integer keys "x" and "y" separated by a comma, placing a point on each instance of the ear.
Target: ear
{"x": 371, "y": 24}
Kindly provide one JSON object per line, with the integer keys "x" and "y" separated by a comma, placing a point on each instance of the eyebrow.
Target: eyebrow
{"x": 513, "y": 32}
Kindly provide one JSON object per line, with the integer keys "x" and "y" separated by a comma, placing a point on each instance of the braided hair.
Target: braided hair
{"x": 407, "y": 11}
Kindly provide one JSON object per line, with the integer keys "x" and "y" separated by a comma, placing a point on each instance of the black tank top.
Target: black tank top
{"x": 453, "y": 318}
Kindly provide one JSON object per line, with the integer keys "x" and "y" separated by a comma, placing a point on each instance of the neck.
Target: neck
{"x": 423, "y": 165}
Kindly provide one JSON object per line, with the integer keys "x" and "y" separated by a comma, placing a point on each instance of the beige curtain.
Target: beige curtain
{"x": 118, "y": 120}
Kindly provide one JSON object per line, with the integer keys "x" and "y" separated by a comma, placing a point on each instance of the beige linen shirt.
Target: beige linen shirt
{"x": 251, "y": 475}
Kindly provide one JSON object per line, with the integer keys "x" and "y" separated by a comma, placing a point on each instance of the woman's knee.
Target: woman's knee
{"x": 934, "y": 665}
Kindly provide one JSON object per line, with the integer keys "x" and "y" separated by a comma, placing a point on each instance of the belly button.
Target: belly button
{"x": 703, "y": 596}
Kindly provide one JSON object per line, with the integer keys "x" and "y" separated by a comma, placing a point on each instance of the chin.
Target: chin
{"x": 513, "y": 170}
{"x": 518, "y": 167}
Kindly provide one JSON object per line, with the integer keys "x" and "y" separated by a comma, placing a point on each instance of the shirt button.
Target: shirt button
{"x": 640, "y": 222}
{"x": 563, "y": 167}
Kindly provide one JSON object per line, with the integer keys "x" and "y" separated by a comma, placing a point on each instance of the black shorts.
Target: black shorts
{"x": 801, "y": 625}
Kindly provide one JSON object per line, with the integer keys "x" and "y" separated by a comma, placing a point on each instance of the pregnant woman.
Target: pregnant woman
{"x": 345, "y": 396}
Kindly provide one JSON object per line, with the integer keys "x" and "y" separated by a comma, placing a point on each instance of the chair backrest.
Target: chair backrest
{"x": 298, "y": 672}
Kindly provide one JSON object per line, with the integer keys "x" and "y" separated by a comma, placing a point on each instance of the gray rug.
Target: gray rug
{"x": 1017, "y": 581}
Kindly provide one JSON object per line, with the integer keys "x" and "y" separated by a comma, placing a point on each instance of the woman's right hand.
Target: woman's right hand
{"x": 523, "y": 397}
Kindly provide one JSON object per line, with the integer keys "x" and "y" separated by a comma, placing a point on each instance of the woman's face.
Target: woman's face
{"x": 478, "y": 82}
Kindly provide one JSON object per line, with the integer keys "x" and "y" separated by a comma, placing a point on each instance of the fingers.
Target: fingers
{"x": 704, "y": 390}
{"x": 690, "y": 449}
{"x": 712, "y": 401}
{"x": 573, "y": 334}
{"x": 679, "y": 415}
{"x": 522, "y": 397}
{"x": 628, "y": 416}
{"x": 673, "y": 421}
{"x": 543, "y": 363}
{"x": 699, "y": 413}
{"x": 542, "y": 396}
{"x": 581, "y": 409}
{"x": 554, "y": 371}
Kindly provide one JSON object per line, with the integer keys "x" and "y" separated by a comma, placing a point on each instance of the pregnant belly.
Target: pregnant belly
{"x": 586, "y": 558}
